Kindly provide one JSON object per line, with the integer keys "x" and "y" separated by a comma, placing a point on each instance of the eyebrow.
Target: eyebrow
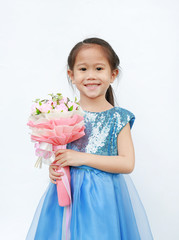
{"x": 87, "y": 64}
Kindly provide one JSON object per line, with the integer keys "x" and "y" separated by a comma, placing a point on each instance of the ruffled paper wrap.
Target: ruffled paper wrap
{"x": 52, "y": 131}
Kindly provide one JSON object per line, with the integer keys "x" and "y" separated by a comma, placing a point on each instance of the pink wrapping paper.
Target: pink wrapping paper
{"x": 58, "y": 132}
{"x": 63, "y": 186}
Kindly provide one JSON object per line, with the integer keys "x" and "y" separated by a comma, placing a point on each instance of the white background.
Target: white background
{"x": 35, "y": 40}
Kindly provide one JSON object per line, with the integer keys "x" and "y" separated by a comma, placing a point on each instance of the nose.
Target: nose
{"x": 91, "y": 74}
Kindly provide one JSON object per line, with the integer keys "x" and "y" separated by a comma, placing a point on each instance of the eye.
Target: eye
{"x": 83, "y": 69}
{"x": 99, "y": 68}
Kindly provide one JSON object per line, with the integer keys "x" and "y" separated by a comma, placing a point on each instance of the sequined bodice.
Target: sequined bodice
{"x": 101, "y": 131}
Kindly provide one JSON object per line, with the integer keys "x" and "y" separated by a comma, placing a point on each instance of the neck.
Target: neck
{"x": 94, "y": 104}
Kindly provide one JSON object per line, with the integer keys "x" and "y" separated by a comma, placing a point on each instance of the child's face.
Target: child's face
{"x": 92, "y": 74}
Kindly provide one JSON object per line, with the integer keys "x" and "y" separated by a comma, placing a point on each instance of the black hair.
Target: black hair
{"x": 110, "y": 54}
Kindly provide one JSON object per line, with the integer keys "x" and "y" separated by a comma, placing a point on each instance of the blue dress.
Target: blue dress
{"x": 104, "y": 205}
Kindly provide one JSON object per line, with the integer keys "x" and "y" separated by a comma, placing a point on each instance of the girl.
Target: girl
{"x": 105, "y": 204}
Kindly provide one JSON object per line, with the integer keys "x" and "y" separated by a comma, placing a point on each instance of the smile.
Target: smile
{"x": 92, "y": 86}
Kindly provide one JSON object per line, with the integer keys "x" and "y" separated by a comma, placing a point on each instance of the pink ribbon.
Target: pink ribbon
{"x": 46, "y": 151}
{"x": 67, "y": 209}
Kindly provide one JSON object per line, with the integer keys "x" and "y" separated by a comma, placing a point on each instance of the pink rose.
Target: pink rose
{"x": 63, "y": 100}
{"x": 72, "y": 104}
{"x": 45, "y": 107}
{"x": 61, "y": 107}
{"x": 34, "y": 106}
{"x": 51, "y": 103}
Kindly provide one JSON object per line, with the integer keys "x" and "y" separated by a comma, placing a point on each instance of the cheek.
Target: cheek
{"x": 105, "y": 77}
{"x": 78, "y": 76}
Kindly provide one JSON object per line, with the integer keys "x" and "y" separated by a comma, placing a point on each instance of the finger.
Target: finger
{"x": 53, "y": 181}
{"x": 53, "y": 172}
{"x": 61, "y": 161}
{"x": 65, "y": 164}
{"x": 58, "y": 157}
{"x": 56, "y": 175}
{"x": 60, "y": 151}
{"x": 54, "y": 166}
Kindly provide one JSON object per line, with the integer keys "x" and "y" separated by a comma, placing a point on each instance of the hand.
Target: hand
{"x": 53, "y": 175}
{"x": 69, "y": 157}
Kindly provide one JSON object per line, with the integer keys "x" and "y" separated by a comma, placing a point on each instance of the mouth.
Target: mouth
{"x": 92, "y": 86}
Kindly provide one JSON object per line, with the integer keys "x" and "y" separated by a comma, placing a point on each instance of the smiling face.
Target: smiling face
{"x": 92, "y": 73}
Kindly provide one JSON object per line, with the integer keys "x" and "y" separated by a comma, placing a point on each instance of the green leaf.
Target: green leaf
{"x": 36, "y": 100}
{"x": 54, "y": 99}
{"x": 48, "y": 111}
{"x": 60, "y": 97}
{"x": 52, "y": 95}
{"x": 71, "y": 108}
{"x": 38, "y": 111}
{"x": 40, "y": 103}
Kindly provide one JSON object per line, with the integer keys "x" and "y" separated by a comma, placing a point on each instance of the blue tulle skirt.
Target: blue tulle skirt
{"x": 104, "y": 206}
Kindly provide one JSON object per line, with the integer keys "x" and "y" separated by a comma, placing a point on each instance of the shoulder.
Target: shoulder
{"x": 123, "y": 112}
{"x": 122, "y": 117}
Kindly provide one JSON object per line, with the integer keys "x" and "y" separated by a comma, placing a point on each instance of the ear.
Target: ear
{"x": 115, "y": 72}
{"x": 71, "y": 75}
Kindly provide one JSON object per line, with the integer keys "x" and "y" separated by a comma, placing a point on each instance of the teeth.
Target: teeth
{"x": 94, "y": 85}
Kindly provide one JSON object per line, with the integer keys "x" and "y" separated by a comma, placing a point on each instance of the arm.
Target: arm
{"x": 123, "y": 163}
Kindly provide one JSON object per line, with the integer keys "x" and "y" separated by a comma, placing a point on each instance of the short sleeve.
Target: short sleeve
{"x": 123, "y": 116}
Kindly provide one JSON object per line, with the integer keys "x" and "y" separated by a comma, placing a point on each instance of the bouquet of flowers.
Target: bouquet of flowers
{"x": 54, "y": 123}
